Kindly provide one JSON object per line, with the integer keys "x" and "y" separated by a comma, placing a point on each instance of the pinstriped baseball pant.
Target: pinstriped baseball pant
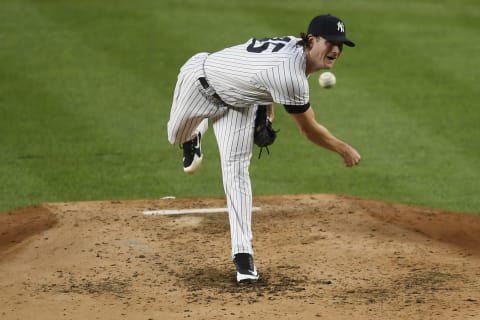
{"x": 233, "y": 128}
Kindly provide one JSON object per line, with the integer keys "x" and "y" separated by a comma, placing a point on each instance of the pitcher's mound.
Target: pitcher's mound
{"x": 319, "y": 257}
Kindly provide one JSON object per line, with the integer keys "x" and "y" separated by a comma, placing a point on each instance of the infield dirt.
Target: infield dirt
{"x": 319, "y": 257}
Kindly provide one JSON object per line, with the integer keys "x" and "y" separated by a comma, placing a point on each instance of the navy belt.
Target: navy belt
{"x": 206, "y": 86}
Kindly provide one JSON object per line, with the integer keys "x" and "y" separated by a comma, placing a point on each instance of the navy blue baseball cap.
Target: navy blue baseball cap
{"x": 331, "y": 28}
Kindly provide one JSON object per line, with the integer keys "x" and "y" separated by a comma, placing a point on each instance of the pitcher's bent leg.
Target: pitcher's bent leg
{"x": 190, "y": 107}
{"x": 189, "y": 112}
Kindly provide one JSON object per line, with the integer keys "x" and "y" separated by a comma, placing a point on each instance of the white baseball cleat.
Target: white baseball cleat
{"x": 246, "y": 270}
{"x": 192, "y": 154}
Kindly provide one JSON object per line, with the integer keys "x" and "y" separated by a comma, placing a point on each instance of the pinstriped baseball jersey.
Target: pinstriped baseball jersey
{"x": 260, "y": 72}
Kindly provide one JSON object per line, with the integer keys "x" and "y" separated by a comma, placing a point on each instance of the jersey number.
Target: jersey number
{"x": 258, "y": 46}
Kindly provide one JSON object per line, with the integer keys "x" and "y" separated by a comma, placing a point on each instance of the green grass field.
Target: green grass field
{"x": 86, "y": 87}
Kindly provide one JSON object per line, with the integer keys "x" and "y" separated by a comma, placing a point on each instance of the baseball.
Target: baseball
{"x": 327, "y": 80}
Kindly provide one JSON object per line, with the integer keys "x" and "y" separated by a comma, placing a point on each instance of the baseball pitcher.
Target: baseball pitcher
{"x": 234, "y": 88}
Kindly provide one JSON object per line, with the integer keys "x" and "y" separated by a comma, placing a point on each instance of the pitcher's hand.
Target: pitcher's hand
{"x": 350, "y": 156}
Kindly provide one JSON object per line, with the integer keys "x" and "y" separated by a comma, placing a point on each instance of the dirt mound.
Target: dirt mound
{"x": 16, "y": 226}
{"x": 319, "y": 257}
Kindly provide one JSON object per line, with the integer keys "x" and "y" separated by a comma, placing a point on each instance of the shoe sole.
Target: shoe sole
{"x": 194, "y": 166}
{"x": 245, "y": 279}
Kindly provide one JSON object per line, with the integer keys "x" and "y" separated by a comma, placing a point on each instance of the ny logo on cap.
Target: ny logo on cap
{"x": 340, "y": 26}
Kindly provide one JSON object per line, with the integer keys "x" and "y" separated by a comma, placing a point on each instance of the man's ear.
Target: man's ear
{"x": 310, "y": 38}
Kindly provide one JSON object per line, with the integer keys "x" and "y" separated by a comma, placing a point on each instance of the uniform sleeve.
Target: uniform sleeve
{"x": 291, "y": 91}
{"x": 297, "y": 109}
{"x": 287, "y": 82}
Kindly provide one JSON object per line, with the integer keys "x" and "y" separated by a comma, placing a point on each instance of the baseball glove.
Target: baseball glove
{"x": 264, "y": 134}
